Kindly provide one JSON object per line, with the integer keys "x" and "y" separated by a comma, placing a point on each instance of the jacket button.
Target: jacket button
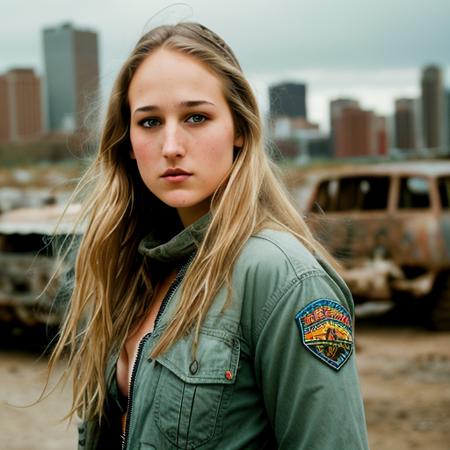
{"x": 82, "y": 442}
{"x": 193, "y": 368}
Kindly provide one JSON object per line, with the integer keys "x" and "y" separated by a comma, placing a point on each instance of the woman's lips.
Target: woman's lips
{"x": 176, "y": 178}
{"x": 175, "y": 175}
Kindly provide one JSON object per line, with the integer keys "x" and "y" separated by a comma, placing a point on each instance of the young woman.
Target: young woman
{"x": 203, "y": 314}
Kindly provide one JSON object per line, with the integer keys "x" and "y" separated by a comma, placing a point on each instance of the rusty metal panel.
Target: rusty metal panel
{"x": 399, "y": 243}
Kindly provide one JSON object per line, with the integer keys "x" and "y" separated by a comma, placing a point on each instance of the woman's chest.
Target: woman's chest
{"x": 185, "y": 400}
{"x": 129, "y": 351}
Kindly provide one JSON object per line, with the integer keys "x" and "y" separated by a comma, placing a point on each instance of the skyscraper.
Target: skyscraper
{"x": 447, "y": 118}
{"x": 356, "y": 133}
{"x": 4, "y": 110}
{"x": 288, "y": 100}
{"x": 72, "y": 75}
{"x": 20, "y": 105}
{"x": 433, "y": 107}
{"x": 405, "y": 124}
{"x": 381, "y": 136}
{"x": 336, "y": 107}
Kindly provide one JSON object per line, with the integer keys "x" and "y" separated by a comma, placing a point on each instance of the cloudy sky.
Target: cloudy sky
{"x": 371, "y": 50}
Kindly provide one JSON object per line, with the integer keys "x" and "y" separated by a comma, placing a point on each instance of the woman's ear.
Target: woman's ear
{"x": 239, "y": 141}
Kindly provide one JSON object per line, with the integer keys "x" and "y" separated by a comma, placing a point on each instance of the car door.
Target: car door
{"x": 350, "y": 216}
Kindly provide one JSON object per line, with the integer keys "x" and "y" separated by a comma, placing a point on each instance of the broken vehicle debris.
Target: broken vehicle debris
{"x": 28, "y": 263}
{"x": 389, "y": 226}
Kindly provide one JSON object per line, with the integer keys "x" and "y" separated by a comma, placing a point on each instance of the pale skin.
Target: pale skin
{"x": 182, "y": 136}
{"x": 128, "y": 353}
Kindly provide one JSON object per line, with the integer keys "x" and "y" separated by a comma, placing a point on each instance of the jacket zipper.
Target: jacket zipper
{"x": 168, "y": 296}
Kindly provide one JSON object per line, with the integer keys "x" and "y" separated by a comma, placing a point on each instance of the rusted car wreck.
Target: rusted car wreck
{"x": 28, "y": 263}
{"x": 389, "y": 226}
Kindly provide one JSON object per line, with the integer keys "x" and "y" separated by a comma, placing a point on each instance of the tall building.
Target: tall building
{"x": 336, "y": 107}
{"x": 447, "y": 119}
{"x": 4, "y": 110}
{"x": 355, "y": 133}
{"x": 405, "y": 124}
{"x": 381, "y": 136}
{"x": 20, "y": 105}
{"x": 433, "y": 107}
{"x": 288, "y": 100}
{"x": 72, "y": 76}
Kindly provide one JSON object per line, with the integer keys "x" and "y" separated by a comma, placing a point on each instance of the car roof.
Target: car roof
{"x": 44, "y": 220}
{"x": 425, "y": 168}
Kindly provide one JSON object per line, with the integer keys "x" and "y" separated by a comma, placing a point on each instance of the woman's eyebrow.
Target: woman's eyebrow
{"x": 191, "y": 103}
{"x": 187, "y": 104}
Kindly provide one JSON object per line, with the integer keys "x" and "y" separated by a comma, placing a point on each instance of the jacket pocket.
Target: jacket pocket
{"x": 194, "y": 392}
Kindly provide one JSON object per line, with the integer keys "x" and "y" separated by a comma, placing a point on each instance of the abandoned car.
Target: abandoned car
{"x": 388, "y": 225}
{"x": 27, "y": 260}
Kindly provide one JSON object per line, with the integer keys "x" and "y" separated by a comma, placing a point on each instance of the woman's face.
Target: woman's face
{"x": 181, "y": 130}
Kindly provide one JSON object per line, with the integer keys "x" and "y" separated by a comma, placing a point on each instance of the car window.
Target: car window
{"x": 25, "y": 243}
{"x": 414, "y": 193}
{"x": 325, "y": 196}
{"x": 353, "y": 194}
{"x": 444, "y": 191}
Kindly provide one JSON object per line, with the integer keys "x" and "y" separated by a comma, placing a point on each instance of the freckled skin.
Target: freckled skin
{"x": 180, "y": 119}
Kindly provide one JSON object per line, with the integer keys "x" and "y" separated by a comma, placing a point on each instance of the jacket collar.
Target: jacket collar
{"x": 177, "y": 248}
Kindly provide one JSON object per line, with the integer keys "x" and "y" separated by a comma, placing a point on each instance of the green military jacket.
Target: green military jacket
{"x": 263, "y": 378}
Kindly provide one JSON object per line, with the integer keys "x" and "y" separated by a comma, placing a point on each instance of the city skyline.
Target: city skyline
{"x": 373, "y": 54}
{"x": 286, "y": 98}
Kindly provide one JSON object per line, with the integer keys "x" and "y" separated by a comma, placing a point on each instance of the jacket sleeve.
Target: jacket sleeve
{"x": 311, "y": 404}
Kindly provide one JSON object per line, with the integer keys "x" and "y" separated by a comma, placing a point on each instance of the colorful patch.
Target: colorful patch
{"x": 326, "y": 330}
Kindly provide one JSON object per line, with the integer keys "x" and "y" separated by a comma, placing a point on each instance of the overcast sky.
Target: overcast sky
{"x": 372, "y": 50}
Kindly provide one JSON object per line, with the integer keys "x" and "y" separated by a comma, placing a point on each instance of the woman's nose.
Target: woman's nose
{"x": 173, "y": 146}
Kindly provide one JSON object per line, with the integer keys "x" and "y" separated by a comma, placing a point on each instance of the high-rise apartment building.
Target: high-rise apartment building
{"x": 447, "y": 119}
{"x": 355, "y": 132}
{"x": 336, "y": 107}
{"x": 72, "y": 76}
{"x": 433, "y": 107}
{"x": 358, "y": 132}
{"x": 381, "y": 136}
{"x": 4, "y": 110}
{"x": 288, "y": 100}
{"x": 20, "y": 105}
{"x": 405, "y": 124}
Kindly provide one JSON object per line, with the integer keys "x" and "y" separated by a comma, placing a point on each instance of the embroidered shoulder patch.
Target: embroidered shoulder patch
{"x": 326, "y": 330}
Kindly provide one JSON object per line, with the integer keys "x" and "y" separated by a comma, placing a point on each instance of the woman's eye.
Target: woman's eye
{"x": 149, "y": 123}
{"x": 196, "y": 118}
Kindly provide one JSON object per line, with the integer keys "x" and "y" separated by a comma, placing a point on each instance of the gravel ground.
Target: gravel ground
{"x": 405, "y": 380}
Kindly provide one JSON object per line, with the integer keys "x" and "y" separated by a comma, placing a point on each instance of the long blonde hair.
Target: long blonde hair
{"x": 112, "y": 289}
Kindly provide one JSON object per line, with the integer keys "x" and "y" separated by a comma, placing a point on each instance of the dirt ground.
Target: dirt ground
{"x": 405, "y": 380}
{"x": 39, "y": 427}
